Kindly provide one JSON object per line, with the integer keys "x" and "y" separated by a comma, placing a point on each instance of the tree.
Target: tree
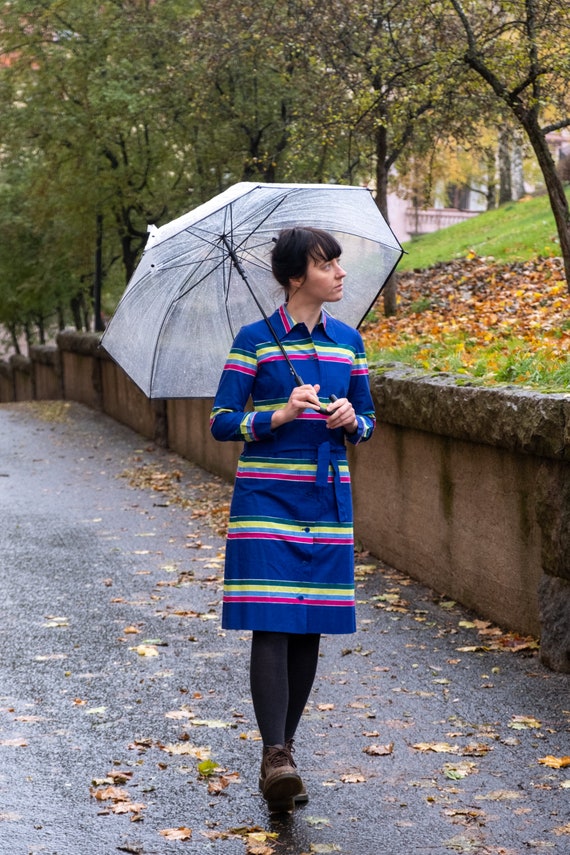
{"x": 95, "y": 103}
{"x": 258, "y": 96}
{"x": 392, "y": 97}
{"x": 521, "y": 50}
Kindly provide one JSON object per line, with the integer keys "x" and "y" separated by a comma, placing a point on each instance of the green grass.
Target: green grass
{"x": 518, "y": 231}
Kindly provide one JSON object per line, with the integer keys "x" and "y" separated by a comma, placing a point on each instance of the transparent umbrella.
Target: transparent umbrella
{"x": 207, "y": 273}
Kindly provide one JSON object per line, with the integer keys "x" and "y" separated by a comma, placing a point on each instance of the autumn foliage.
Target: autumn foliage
{"x": 497, "y": 322}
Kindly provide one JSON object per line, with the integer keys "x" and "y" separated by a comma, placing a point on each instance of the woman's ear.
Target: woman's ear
{"x": 295, "y": 284}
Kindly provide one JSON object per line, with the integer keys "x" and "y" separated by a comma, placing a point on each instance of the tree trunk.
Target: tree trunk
{"x": 390, "y": 292}
{"x": 517, "y": 172}
{"x": 504, "y": 154}
{"x": 14, "y": 337}
{"x": 554, "y": 187}
{"x": 491, "y": 181}
{"x": 98, "y": 276}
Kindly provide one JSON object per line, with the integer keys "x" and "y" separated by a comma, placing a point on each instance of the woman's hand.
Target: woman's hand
{"x": 301, "y": 398}
{"x": 342, "y": 415}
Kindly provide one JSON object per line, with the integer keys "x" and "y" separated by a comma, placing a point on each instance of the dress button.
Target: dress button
{"x": 307, "y": 529}
{"x": 300, "y": 597}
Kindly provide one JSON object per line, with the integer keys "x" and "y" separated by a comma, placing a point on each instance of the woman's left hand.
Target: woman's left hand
{"x": 342, "y": 415}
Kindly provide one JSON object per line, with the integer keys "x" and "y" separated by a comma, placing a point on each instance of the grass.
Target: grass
{"x": 518, "y": 231}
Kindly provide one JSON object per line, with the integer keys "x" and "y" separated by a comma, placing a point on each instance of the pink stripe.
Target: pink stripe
{"x": 231, "y": 366}
{"x": 228, "y": 598}
{"x": 285, "y": 319}
{"x": 278, "y": 357}
{"x": 254, "y": 474}
{"x": 252, "y": 427}
{"x": 289, "y": 538}
{"x": 344, "y": 479}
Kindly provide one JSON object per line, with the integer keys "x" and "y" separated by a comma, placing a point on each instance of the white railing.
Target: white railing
{"x": 420, "y": 222}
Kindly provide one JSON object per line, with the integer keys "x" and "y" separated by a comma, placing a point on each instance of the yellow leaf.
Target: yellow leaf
{"x": 438, "y": 747}
{"x": 145, "y": 650}
{"x": 523, "y": 722}
{"x": 555, "y": 762}
{"x": 180, "y": 748}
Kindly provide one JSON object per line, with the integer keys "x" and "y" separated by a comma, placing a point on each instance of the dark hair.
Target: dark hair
{"x": 293, "y": 249}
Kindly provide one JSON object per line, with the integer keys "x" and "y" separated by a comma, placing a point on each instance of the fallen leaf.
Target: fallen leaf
{"x": 561, "y": 829}
{"x": 145, "y": 650}
{"x": 523, "y": 722}
{"x": 322, "y": 848}
{"x": 180, "y": 833}
{"x": 458, "y": 771}
{"x": 555, "y": 762}
{"x": 115, "y": 794}
{"x": 318, "y": 821}
{"x": 207, "y": 768}
{"x": 181, "y": 748}
{"x": 352, "y": 779}
{"x": 499, "y": 796}
{"x": 119, "y": 776}
{"x": 438, "y": 747}
{"x": 14, "y": 743}
{"x": 379, "y": 750}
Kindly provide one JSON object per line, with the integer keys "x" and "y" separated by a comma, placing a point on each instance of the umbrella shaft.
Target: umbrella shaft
{"x": 242, "y": 273}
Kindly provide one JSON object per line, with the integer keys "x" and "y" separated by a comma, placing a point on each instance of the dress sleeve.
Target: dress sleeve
{"x": 360, "y": 397}
{"x": 230, "y": 420}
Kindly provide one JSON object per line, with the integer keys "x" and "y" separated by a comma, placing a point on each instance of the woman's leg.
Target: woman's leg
{"x": 282, "y": 673}
{"x": 270, "y": 684}
{"x": 303, "y": 657}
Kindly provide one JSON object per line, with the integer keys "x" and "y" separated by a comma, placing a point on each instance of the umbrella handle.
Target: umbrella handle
{"x": 323, "y": 410}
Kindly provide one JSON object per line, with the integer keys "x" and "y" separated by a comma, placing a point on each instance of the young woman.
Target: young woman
{"x": 289, "y": 569}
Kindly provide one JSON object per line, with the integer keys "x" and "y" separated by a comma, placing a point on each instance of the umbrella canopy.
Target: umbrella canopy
{"x": 187, "y": 299}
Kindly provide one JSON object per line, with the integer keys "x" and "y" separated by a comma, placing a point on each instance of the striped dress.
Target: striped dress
{"x": 289, "y": 563}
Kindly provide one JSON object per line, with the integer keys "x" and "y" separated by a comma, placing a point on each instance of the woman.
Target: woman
{"x": 289, "y": 570}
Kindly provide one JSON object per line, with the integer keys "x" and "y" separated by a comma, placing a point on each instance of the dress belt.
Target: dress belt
{"x": 328, "y": 455}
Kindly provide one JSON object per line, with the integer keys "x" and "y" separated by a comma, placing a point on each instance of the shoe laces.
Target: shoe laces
{"x": 277, "y": 756}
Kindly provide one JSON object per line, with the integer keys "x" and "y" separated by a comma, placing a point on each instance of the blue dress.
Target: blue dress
{"x": 289, "y": 563}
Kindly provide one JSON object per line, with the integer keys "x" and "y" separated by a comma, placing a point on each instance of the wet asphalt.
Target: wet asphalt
{"x": 425, "y": 732}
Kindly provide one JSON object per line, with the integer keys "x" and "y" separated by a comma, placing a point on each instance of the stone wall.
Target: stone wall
{"x": 465, "y": 488}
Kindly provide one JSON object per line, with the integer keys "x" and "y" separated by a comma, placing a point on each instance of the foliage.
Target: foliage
{"x": 521, "y": 51}
{"x": 127, "y": 112}
{"x": 481, "y": 320}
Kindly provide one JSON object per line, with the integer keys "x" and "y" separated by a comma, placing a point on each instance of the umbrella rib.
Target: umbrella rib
{"x": 278, "y": 341}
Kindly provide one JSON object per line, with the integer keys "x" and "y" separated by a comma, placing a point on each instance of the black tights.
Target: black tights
{"x": 282, "y": 672}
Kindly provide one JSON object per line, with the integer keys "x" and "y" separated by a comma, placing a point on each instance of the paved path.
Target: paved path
{"x": 117, "y": 682}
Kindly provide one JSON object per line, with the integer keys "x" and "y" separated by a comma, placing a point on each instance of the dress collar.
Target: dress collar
{"x": 289, "y": 321}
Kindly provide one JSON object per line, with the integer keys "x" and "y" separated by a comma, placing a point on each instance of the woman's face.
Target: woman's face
{"x": 322, "y": 283}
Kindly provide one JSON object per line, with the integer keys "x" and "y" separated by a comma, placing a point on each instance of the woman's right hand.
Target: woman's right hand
{"x": 301, "y": 398}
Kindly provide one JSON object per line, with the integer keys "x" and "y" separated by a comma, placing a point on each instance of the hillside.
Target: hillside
{"x": 502, "y": 318}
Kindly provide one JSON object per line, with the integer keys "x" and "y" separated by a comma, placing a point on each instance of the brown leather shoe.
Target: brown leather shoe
{"x": 302, "y": 797}
{"x": 279, "y": 781}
